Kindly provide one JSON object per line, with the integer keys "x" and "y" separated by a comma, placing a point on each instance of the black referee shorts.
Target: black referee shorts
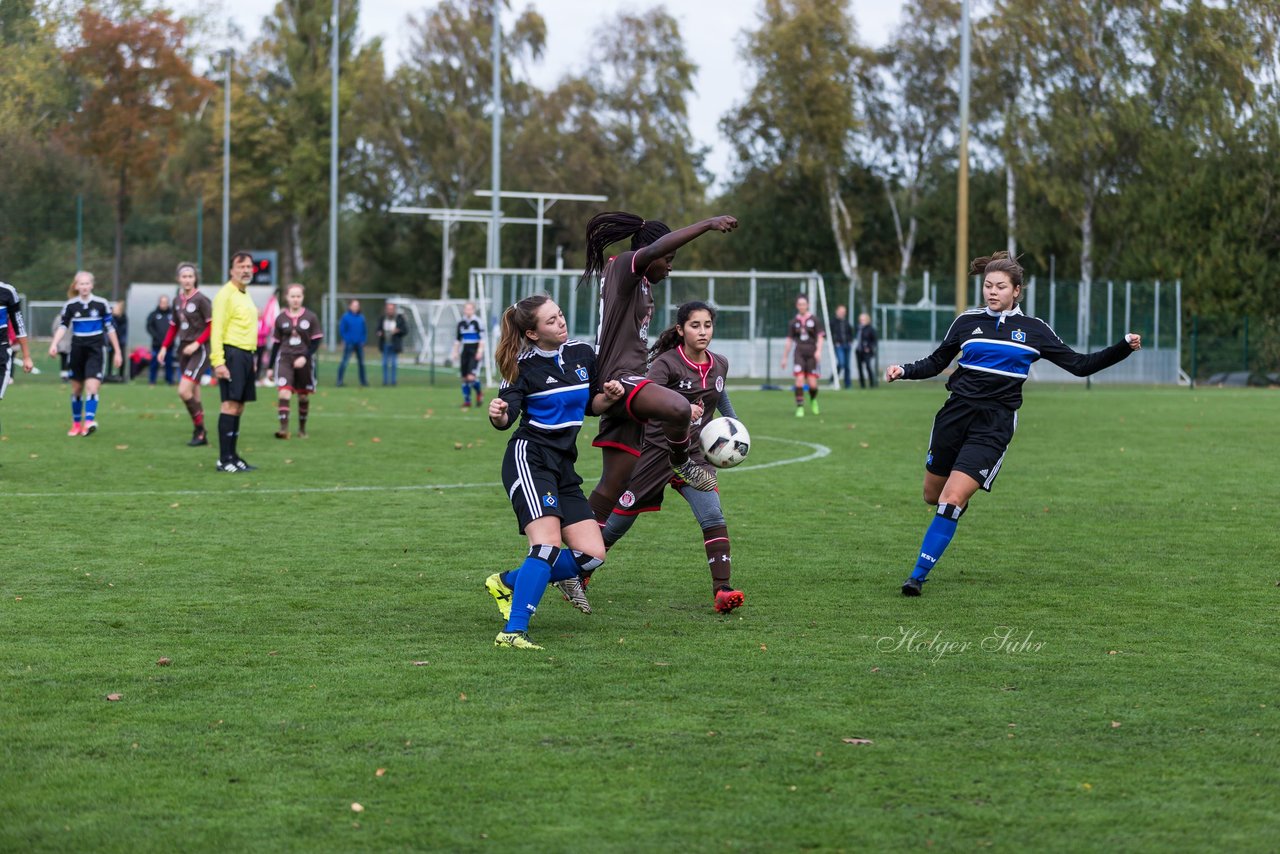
{"x": 240, "y": 388}
{"x": 541, "y": 482}
{"x": 971, "y": 438}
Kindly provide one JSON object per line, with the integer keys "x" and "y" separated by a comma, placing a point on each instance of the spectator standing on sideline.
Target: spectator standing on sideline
{"x": 231, "y": 352}
{"x": 121, "y": 321}
{"x": 842, "y": 341}
{"x": 354, "y": 334}
{"x": 868, "y": 344}
{"x": 158, "y": 329}
{"x": 391, "y": 332}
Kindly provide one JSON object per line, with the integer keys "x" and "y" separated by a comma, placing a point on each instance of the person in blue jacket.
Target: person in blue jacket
{"x": 354, "y": 334}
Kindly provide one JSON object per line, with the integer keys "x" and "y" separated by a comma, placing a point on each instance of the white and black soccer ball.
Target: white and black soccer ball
{"x": 725, "y": 442}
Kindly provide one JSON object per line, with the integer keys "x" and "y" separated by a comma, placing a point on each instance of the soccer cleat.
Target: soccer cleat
{"x": 282, "y": 434}
{"x": 75, "y": 429}
{"x": 727, "y": 599}
{"x": 227, "y": 466}
{"x": 243, "y": 466}
{"x": 911, "y": 587}
{"x": 515, "y": 640}
{"x": 90, "y": 427}
{"x": 814, "y": 405}
{"x": 302, "y": 434}
{"x": 574, "y": 593}
{"x": 466, "y": 404}
{"x": 701, "y": 479}
{"x": 800, "y": 411}
{"x": 198, "y": 438}
{"x": 501, "y": 594}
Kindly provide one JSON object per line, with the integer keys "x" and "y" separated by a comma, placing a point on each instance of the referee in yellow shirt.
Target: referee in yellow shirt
{"x": 232, "y": 342}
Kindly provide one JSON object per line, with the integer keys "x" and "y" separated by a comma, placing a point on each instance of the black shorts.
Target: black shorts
{"x": 85, "y": 362}
{"x": 971, "y": 438}
{"x": 541, "y": 482}
{"x": 240, "y": 364}
{"x": 619, "y": 426}
{"x": 467, "y": 361}
{"x": 804, "y": 362}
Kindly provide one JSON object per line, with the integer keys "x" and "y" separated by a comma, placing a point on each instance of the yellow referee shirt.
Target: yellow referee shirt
{"x": 235, "y": 323}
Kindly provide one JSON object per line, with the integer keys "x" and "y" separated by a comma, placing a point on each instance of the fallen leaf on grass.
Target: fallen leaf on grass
{"x": 421, "y": 663}
{"x": 375, "y": 440}
{"x": 34, "y": 456}
{"x": 457, "y": 446}
{"x": 355, "y": 807}
{"x": 114, "y": 697}
{"x": 17, "y": 598}
{"x": 164, "y": 662}
{"x": 764, "y": 648}
{"x": 462, "y": 697}
{"x": 863, "y": 445}
{"x": 875, "y": 670}
{"x": 1115, "y": 725}
{"x": 857, "y": 741}
{"x": 122, "y": 447}
{"x": 380, "y": 772}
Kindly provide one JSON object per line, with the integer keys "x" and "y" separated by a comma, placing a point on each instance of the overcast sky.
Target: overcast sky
{"x": 711, "y": 30}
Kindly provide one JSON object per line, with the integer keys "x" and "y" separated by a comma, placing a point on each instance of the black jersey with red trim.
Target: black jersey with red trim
{"x": 698, "y": 383}
{"x": 10, "y": 314}
{"x": 996, "y": 351}
{"x": 551, "y": 395}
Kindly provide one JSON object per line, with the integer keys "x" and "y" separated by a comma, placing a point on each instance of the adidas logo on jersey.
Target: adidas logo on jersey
{"x": 977, "y": 330}
{"x": 550, "y": 380}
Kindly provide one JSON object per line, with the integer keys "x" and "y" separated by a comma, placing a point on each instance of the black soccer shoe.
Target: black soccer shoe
{"x": 227, "y": 466}
{"x": 243, "y": 466}
{"x": 198, "y": 438}
{"x": 911, "y": 587}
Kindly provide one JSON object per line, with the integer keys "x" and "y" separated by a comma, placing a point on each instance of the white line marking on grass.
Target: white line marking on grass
{"x": 819, "y": 451}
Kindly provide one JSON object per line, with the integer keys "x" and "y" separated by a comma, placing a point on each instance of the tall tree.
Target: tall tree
{"x": 137, "y": 84}
{"x": 284, "y": 139}
{"x": 811, "y": 80}
{"x": 912, "y": 120}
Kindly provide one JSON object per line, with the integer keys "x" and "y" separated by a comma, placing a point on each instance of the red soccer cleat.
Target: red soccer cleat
{"x": 727, "y": 599}
{"x": 75, "y": 429}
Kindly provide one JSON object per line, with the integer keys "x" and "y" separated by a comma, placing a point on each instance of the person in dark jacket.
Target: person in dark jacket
{"x": 158, "y": 329}
{"x": 866, "y": 345}
{"x": 354, "y": 334}
{"x": 842, "y": 341}
{"x": 391, "y": 331}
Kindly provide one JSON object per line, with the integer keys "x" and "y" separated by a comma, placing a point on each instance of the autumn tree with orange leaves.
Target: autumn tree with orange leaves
{"x": 137, "y": 90}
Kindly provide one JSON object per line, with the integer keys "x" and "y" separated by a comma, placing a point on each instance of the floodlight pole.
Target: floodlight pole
{"x": 226, "y": 164}
{"x": 331, "y": 321}
{"x": 495, "y": 212}
{"x": 962, "y": 196}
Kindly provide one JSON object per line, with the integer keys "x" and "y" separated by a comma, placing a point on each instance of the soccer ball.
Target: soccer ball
{"x": 725, "y": 442}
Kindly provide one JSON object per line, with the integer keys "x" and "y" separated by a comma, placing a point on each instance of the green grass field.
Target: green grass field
{"x": 1092, "y": 666}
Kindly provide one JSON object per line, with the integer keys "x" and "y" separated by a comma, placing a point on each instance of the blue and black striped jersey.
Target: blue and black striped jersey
{"x": 551, "y": 395}
{"x": 996, "y": 352}
{"x": 469, "y": 330}
{"x": 88, "y": 321}
{"x": 10, "y": 313}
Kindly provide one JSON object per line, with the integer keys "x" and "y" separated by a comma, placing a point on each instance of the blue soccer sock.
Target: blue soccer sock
{"x": 476, "y": 387}
{"x": 936, "y": 539}
{"x": 571, "y": 563}
{"x": 530, "y": 583}
{"x": 91, "y": 408}
{"x": 77, "y": 407}
{"x": 466, "y": 392}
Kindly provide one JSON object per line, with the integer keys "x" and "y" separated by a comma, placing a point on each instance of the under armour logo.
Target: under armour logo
{"x": 685, "y": 384}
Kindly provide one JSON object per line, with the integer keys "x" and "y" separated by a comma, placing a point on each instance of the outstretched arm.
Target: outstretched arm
{"x": 668, "y": 243}
{"x": 1085, "y": 364}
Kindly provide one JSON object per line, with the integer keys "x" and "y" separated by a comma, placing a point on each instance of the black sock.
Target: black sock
{"x": 235, "y": 436}
{"x": 226, "y": 436}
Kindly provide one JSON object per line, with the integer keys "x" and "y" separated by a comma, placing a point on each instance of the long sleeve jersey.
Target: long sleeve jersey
{"x": 996, "y": 352}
